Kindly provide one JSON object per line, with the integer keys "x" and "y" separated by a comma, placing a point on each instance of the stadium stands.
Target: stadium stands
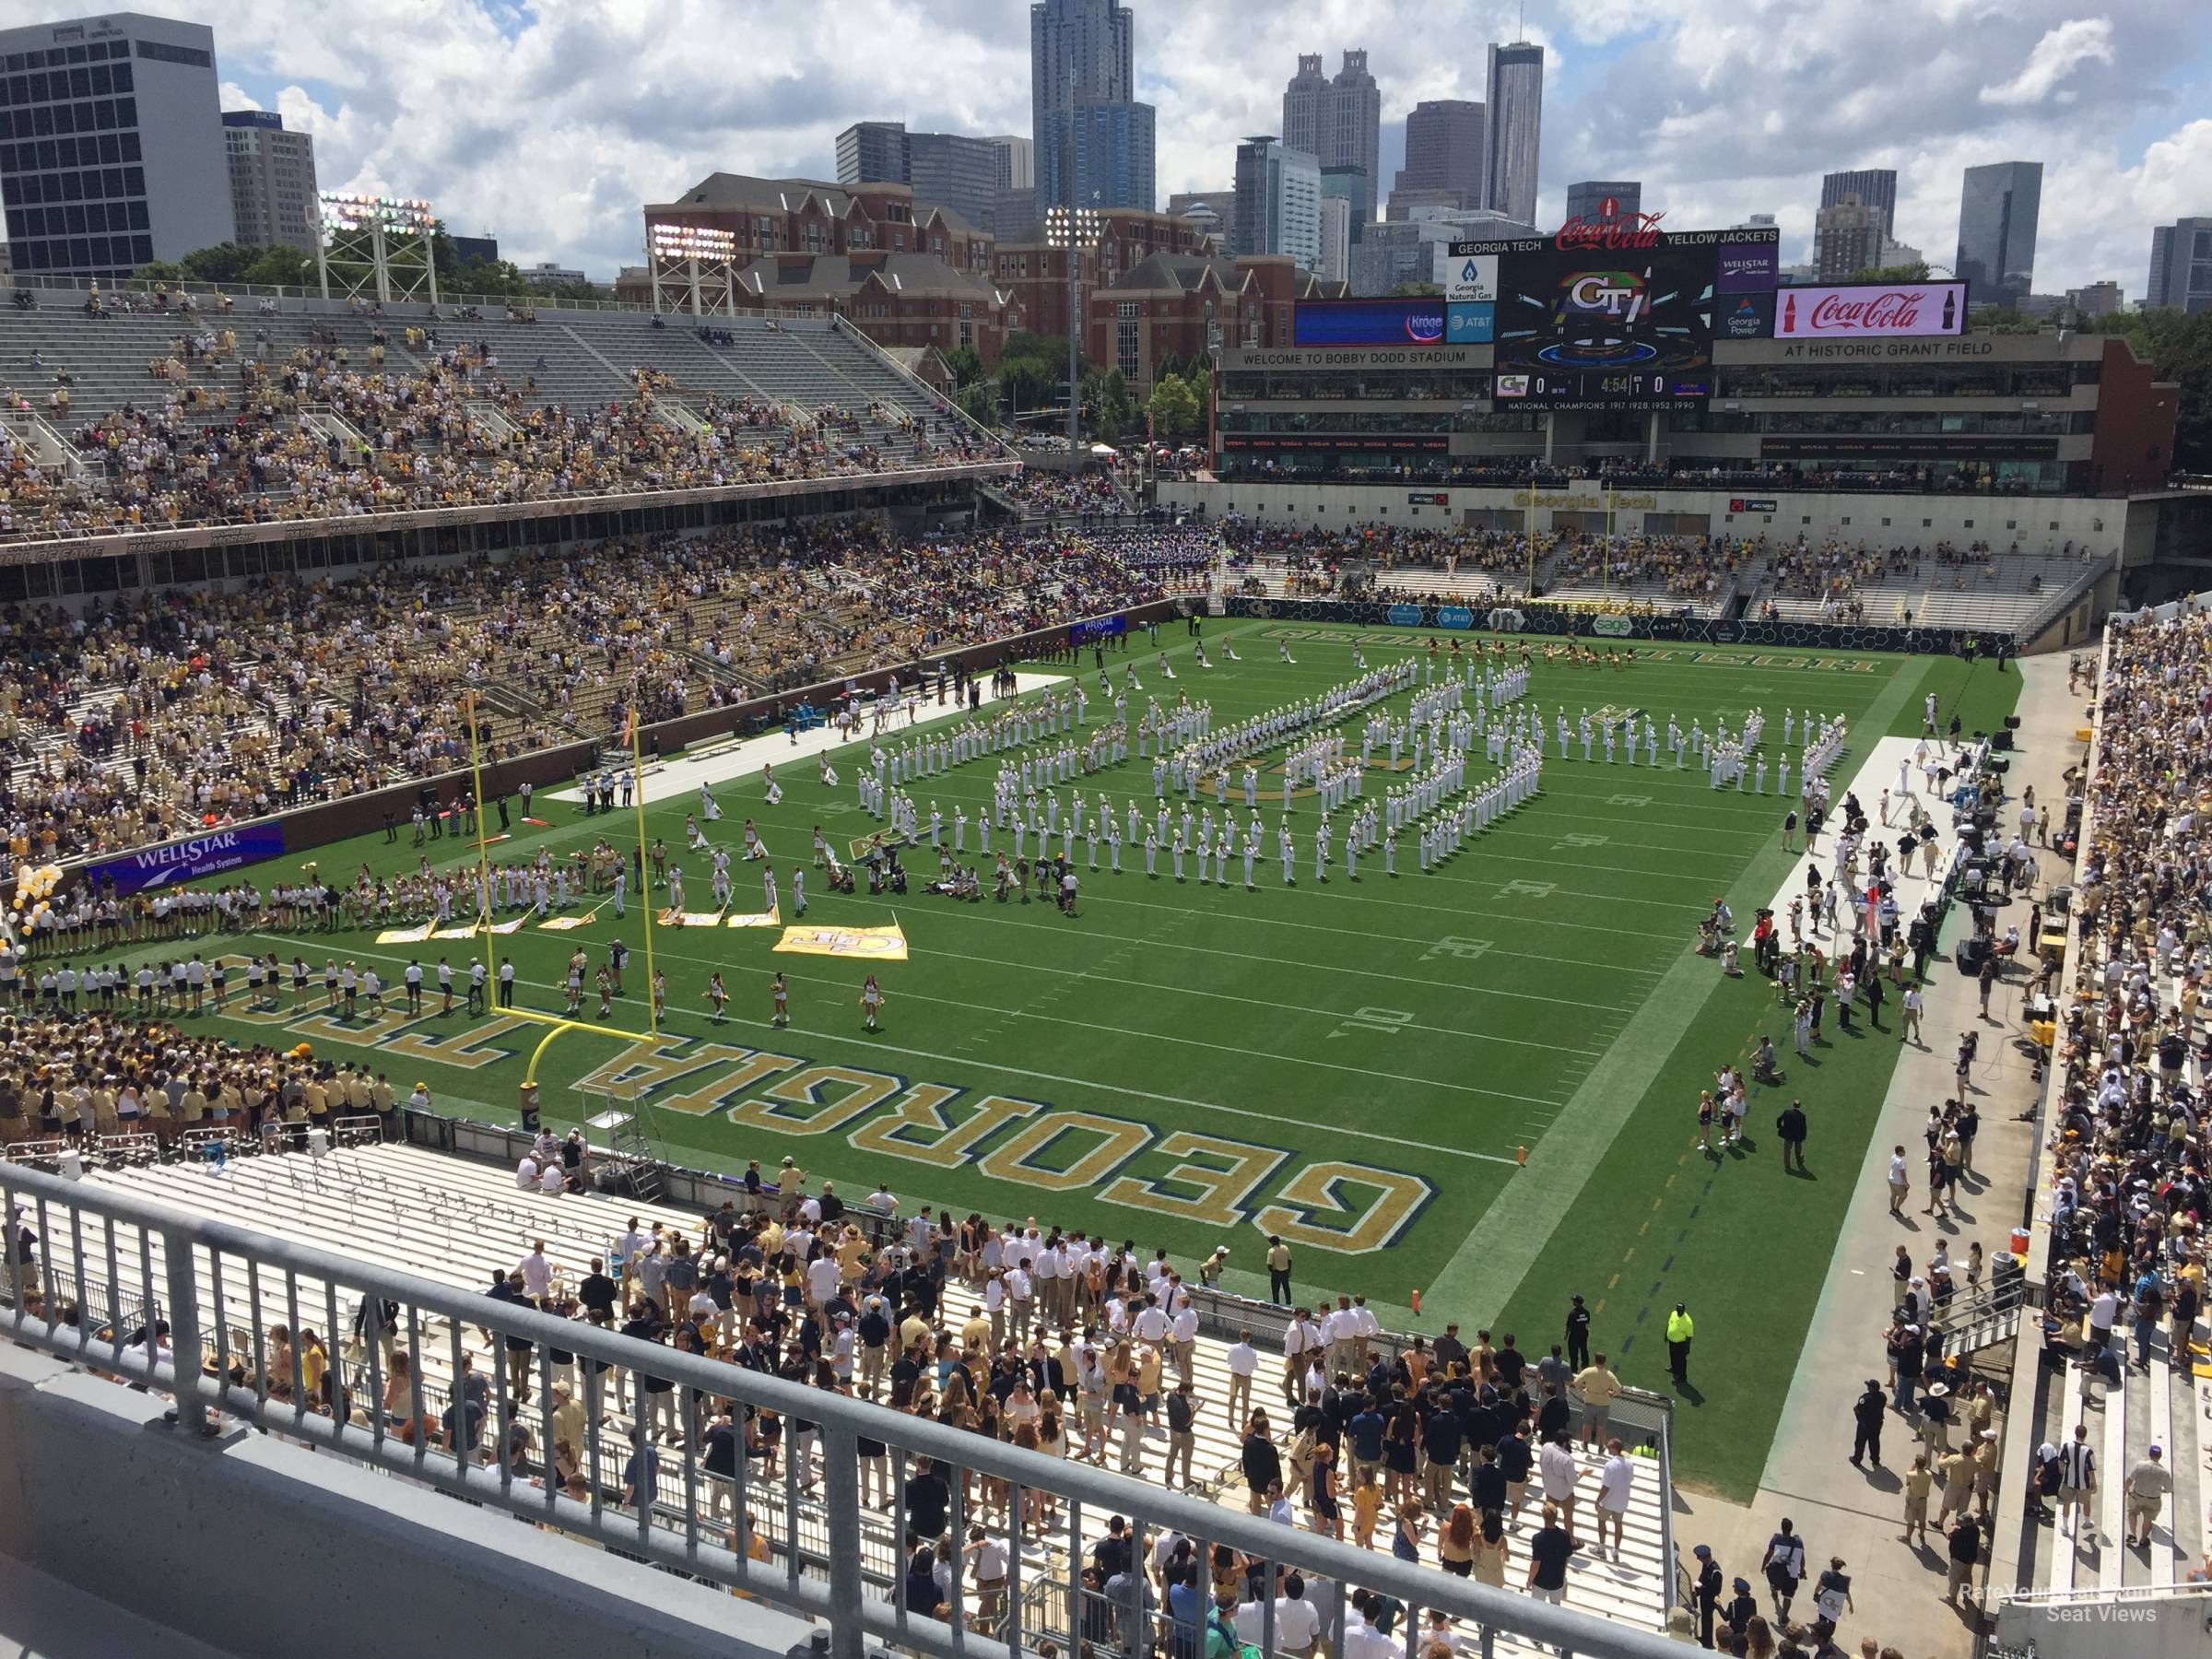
{"x": 466, "y": 1223}
{"x": 2119, "y": 1353}
{"x": 169, "y": 417}
{"x": 134, "y": 723}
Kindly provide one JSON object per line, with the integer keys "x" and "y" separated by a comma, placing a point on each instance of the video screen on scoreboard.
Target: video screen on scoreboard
{"x": 1604, "y": 328}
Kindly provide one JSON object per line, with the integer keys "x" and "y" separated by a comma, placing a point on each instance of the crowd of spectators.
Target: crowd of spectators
{"x": 2129, "y": 1147}
{"x": 131, "y": 721}
{"x": 1038, "y": 493}
{"x": 231, "y": 432}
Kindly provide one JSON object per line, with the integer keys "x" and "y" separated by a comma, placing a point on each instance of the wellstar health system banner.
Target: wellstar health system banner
{"x": 174, "y": 863}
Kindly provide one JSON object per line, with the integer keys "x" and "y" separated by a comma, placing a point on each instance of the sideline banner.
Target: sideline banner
{"x": 182, "y": 861}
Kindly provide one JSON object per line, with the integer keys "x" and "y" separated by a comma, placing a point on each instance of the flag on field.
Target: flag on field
{"x": 755, "y": 919}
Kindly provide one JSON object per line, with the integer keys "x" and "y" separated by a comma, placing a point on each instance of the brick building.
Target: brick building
{"x": 1160, "y": 310}
{"x": 1034, "y": 274}
{"x": 907, "y": 273}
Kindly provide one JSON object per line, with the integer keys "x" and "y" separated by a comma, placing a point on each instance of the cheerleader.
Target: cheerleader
{"x": 871, "y": 1002}
{"x": 769, "y": 787}
{"x": 717, "y": 996}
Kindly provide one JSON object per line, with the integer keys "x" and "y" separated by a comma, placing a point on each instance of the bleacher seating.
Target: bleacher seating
{"x": 458, "y": 1221}
{"x": 71, "y": 369}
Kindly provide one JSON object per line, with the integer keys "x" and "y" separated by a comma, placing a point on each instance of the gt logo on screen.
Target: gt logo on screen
{"x": 1619, "y": 296}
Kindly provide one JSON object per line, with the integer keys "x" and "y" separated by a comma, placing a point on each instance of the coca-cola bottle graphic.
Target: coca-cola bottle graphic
{"x": 1950, "y": 309}
{"x": 1789, "y": 315}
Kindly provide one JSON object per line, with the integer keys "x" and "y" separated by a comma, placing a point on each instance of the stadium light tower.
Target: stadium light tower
{"x": 1073, "y": 229}
{"x": 376, "y": 244}
{"x": 692, "y": 267}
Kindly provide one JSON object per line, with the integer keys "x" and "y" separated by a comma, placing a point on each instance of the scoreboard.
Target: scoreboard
{"x": 1616, "y": 313}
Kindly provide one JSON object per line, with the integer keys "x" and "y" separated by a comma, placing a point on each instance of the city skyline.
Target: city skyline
{"x": 550, "y": 126}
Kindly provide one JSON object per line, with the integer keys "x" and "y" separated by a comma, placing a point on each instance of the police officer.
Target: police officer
{"x": 1868, "y": 1412}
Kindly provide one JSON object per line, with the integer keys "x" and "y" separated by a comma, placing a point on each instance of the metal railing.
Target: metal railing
{"x": 144, "y": 1292}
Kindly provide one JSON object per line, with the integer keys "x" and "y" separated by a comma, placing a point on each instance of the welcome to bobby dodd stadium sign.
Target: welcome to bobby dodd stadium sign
{"x": 175, "y": 863}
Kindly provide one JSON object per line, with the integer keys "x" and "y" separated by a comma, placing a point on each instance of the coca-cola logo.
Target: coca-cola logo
{"x": 1868, "y": 312}
{"x": 1612, "y": 230}
{"x": 1896, "y": 309}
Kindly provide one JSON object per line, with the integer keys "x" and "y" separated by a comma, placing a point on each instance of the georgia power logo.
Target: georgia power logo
{"x": 1425, "y": 327}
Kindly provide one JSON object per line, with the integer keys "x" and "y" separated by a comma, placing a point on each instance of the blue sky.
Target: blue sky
{"x": 550, "y": 124}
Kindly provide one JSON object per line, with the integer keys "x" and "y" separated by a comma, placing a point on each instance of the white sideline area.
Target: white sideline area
{"x": 739, "y": 760}
{"x": 456, "y": 1220}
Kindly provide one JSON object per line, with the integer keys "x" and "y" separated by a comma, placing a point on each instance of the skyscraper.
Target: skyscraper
{"x": 1586, "y": 200}
{"x": 1303, "y": 100}
{"x": 1093, "y": 140}
{"x": 1516, "y": 128}
{"x": 1875, "y": 186}
{"x": 1997, "y": 212}
{"x": 1847, "y": 237}
{"x": 872, "y": 152}
{"x": 272, "y": 181}
{"x": 144, "y": 174}
{"x": 1446, "y": 140}
{"x": 2181, "y": 266}
{"x": 1351, "y": 135}
{"x": 1016, "y": 162}
{"x": 1279, "y": 202}
{"x": 1338, "y": 123}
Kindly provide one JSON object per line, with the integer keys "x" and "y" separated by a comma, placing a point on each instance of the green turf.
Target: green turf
{"x": 1188, "y": 1065}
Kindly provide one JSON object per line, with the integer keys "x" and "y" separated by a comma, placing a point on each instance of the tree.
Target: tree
{"x": 1108, "y": 406}
{"x": 967, "y": 365}
{"x": 1416, "y": 290}
{"x": 233, "y": 263}
{"x": 979, "y": 401}
{"x": 1174, "y": 410}
{"x": 1913, "y": 270}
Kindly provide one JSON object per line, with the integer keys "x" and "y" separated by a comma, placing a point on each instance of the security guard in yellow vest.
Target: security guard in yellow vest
{"x": 1679, "y": 1330}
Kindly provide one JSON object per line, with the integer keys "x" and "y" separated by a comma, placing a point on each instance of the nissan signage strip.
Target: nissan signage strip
{"x": 1870, "y": 311}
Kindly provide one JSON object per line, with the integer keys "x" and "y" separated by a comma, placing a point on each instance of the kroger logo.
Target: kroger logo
{"x": 1427, "y": 327}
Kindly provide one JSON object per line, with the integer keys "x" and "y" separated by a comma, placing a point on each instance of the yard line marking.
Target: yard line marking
{"x": 868, "y": 1044}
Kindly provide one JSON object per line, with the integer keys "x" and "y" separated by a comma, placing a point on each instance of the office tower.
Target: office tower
{"x": 1016, "y": 162}
{"x": 1875, "y": 186}
{"x": 272, "y": 181}
{"x": 1338, "y": 123}
{"x": 1093, "y": 140}
{"x": 1586, "y": 200}
{"x": 1278, "y": 201}
{"x": 1516, "y": 129}
{"x": 1303, "y": 100}
{"x": 1446, "y": 142}
{"x": 1847, "y": 237}
{"x": 872, "y": 152}
{"x": 947, "y": 169}
{"x": 2180, "y": 265}
{"x": 119, "y": 157}
{"x": 2097, "y": 299}
{"x": 1997, "y": 212}
{"x": 1352, "y": 186}
{"x": 1336, "y": 263}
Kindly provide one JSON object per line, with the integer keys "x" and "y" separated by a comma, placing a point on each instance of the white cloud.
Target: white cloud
{"x": 550, "y": 124}
{"x": 2062, "y": 50}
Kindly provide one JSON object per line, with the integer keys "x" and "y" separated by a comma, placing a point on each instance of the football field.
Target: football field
{"x": 1476, "y": 1084}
